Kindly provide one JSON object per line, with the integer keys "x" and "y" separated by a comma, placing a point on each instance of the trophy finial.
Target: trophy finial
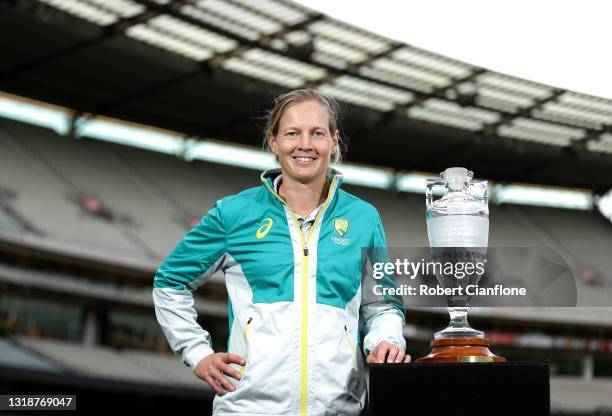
{"x": 457, "y": 177}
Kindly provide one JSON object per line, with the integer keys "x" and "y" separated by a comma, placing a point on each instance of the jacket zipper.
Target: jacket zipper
{"x": 304, "y": 331}
{"x": 245, "y": 331}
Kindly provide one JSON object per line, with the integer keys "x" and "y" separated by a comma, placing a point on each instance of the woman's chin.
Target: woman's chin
{"x": 305, "y": 175}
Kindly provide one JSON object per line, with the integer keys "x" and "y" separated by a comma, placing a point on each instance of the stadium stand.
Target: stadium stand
{"x": 144, "y": 188}
{"x": 141, "y": 192}
{"x": 43, "y": 191}
{"x": 106, "y": 363}
{"x": 14, "y": 356}
{"x": 569, "y": 395}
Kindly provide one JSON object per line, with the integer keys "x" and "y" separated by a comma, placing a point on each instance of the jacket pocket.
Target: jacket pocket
{"x": 351, "y": 347}
{"x": 245, "y": 332}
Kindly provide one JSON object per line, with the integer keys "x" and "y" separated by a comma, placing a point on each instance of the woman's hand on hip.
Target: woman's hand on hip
{"x": 386, "y": 352}
{"x": 212, "y": 368}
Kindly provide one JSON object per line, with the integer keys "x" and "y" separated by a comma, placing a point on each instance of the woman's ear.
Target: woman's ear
{"x": 335, "y": 141}
{"x": 272, "y": 143}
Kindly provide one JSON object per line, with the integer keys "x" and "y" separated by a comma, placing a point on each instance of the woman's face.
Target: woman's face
{"x": 303, "y": 142}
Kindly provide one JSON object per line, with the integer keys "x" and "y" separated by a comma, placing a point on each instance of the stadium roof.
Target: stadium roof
{"x": 528, "y": 42}
{"x": 209, "y": 69}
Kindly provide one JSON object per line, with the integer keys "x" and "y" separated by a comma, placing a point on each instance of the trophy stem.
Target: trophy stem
{"x": 458, "y": 325}
{"x": 458, "y": 317}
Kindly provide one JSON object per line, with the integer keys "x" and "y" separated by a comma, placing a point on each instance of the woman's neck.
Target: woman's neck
{"x": 303, "y": 198}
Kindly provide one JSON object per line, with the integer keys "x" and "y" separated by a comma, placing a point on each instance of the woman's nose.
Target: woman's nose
{"x": 305, "y": 141}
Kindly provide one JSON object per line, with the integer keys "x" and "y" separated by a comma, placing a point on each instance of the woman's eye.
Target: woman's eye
{"x": 292, "y": 133}
{"x": 319, "y": 134}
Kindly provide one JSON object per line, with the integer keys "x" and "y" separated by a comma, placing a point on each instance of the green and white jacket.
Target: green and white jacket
{"x": 295, "y": 298}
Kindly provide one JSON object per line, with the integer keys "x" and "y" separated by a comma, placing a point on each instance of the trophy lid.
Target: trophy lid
{"x": 457, "y": 177}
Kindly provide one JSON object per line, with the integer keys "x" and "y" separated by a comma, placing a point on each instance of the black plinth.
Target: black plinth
{"x": 470, "y": 389}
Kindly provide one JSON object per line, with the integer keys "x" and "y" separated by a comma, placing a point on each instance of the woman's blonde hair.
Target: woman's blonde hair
{"x": 284, "y": 101}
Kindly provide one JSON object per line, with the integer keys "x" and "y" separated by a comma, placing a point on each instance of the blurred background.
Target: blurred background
{"x": 123, "y": 121}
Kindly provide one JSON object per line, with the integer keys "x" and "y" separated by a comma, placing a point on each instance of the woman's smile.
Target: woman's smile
{"x": 305, "y": 160}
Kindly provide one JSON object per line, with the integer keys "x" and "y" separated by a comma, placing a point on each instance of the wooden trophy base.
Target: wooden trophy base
{"x": 460, "y": 350}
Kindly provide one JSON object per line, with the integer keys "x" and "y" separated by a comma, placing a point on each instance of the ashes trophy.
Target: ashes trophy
{"x": 458, "y": 231}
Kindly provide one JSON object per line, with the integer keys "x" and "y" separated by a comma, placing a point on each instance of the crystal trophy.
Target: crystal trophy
{"x": 458, "y": 231}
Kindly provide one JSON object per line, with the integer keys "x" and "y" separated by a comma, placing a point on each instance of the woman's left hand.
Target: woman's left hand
{"x": 386, "y": 352}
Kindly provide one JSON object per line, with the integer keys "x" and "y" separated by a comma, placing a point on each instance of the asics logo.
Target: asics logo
{"x": 264, "y": 228}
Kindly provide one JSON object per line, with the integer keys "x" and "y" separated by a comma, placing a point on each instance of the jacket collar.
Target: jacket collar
{"x": 334, "y": 177}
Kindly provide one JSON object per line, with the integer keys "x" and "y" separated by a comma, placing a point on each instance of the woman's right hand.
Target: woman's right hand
{"x": 212, "y": 368}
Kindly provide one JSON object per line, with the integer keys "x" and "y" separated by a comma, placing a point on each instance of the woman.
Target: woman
{"x": 291, "y": 251}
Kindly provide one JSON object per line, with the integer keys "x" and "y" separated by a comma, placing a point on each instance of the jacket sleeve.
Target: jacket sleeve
{"x": 383, "y": 315}
{"x": 200, "y": 253}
